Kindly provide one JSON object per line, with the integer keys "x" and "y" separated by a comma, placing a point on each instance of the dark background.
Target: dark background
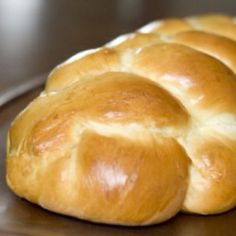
{"x": 36, "y": 35}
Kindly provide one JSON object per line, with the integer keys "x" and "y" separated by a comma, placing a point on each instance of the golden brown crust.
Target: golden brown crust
{"x": 197, "y": 79}
{"x": 209, "y": 44}
{"x": 134, "y": 41}
{"x": 108, "y": 171}
{"x": 171, "y": 26}
{"x": 92, "y": 62}
{"x": 217, "y": 24}
{"x": 213, "y": 173}
{"x": 135, "y": 131}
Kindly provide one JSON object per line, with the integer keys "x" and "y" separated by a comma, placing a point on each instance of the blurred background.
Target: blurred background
{"x": 36, "y": 35}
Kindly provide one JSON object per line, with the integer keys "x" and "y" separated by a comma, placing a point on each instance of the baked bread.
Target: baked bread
{"x": 135, "y": 131}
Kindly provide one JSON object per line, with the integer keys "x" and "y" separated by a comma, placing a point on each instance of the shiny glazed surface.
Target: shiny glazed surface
{"x": 19, "y": 217}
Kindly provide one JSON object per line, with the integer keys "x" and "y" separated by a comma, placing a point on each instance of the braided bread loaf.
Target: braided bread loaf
{"x": 134, "y": 132}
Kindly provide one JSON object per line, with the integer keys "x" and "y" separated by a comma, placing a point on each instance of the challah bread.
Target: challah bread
{"x": 135, "y": 131}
